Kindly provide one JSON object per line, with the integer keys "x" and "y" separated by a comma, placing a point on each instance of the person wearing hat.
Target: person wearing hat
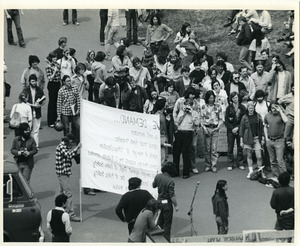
{"x": 132, "y": 202}
{"x": 63, "y": 164}
{"x": 23, "y": 150}
{"x": 33, "y": 68}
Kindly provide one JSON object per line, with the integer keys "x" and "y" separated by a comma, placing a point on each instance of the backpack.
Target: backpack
{"x": 15, "y": 120}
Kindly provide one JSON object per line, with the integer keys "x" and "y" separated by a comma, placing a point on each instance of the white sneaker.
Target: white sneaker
{"x": 195, "y": 170}
{"x": 249, "y": 174}
{"x": 242, "y": 167}
{"x": 229, "y": 168}
{"x": 269, "y": 185}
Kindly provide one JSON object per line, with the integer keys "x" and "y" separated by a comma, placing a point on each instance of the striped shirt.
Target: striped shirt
{"x": 66, "y": 98}
{"x": 63, "y": 159}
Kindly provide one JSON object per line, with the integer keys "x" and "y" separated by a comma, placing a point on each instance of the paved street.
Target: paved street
{"x": 248, "y": 200}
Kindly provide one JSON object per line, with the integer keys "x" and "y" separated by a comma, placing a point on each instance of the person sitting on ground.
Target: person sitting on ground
{"x": 259, "y": 43}
{"x": 183, "y": 36}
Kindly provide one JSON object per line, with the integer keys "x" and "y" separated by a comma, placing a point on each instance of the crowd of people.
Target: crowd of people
{"x": 193, "y": 95}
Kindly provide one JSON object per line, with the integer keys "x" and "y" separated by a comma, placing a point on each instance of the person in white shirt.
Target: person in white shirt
{"x": 264, "y": 20}
{"x": 138, "y": 72}
{"x": 58, "y": 220}
{"x": 67, "y": 64}
{"x": 247, "y": 81}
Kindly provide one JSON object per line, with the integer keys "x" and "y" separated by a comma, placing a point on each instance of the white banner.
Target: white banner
{"x": 118, "y": 145}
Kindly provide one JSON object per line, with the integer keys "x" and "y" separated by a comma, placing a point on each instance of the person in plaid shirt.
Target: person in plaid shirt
{"x": 68, "y": 106}
{"x": 63, "y": 163}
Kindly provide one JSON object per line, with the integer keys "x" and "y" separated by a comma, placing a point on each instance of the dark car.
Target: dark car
{"x": 21, "y": 210}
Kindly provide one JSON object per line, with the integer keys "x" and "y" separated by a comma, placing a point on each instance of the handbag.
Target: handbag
{"x": 15, "y": 120}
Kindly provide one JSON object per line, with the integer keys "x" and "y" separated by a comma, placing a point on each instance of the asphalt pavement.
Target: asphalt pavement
{"x": 248, "y": 200}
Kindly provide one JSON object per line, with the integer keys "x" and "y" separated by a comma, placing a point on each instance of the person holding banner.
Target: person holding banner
{"x": 166, "y": 195}
{"x": 63, "y": 163}
{"x": 132, "y": 202}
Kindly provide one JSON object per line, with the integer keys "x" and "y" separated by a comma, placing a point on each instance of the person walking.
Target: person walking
{"x": 111, "y": 31}
{"x": 68, "y": 106}
{"x": 63, "y": 164}
{"x": 23, "y": 150}
{"x": 103, "y": 21}
{"x": 166, "y": 196}
{"x": 13, "y": 15}
{"x": 131, "y": 25}
{"x": 58, "y": 221}
{"x": 36, "y": 99}
{"x": 220, "y": 206}
{"x": 132, "y": 202}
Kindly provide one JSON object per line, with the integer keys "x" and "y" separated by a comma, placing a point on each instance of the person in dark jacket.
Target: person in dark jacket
{"x": 234, "y": 84}
{"x": 233, "y": 115}
{"x": 220, "y": 206}
{"x": 282, "y": 201}
{"x": 36, "y": 99}
{"x": 132, "y": 202}
{"x": 244, "y": 39}
{"x": 252, "y": 136}
{"x": 58, "y": 220}
{"x": 23, "y": 149}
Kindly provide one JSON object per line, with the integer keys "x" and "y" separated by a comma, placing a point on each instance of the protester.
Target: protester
{"x": 79, "y": 80}
{"x": 166, "y": 196}
{"x": 90, "y": 58}
{"x": 62, "y": 44}
{"x": 131, "y": 25}
{"x": 63, "y": 164}
{"x": 120, "y": 62}
{"x": 144, "y": 221}
{"x": 252, "y": 136}
{"x": 68, "y": 106}
{"x": 67, "y": 64}
{"x": 247, "y": 81}
{"x": 157, "y": 32}
{"x": 282, "y": 201}
{"x": 234, "y": 84}
{"x": 23, "y": 149}
{"x": 33, "y": 69}
{"x": 223, "y": 73}
{"x": 109, "y": 92}
{"x": 132, "y": 202}
{"x": 186, "y": 118}
{"x": 138, "y": 72}
{"x": 58, "y": 221}
{"x": 233, "y": 115}
{"x": 24, "y": 111}
{"x": 184, "y": 82}
{"x": 220, "y": 206}
{"x": 103, "y": 21}
{"x": 36, "y": 99}
{"x": 221, "y": 56}
{"x": 99, "y": 72}
{"x": 150, "y": 103}
{"x": 260, "y": 77}
{"x": 274, "y": 132}
{"x": 54, "y": 80}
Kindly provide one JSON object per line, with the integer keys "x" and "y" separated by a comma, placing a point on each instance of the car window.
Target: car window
{"x": 17, "y": 191}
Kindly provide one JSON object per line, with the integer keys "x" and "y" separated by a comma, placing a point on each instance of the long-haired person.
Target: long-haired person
{"x": 183, "y": 35}
{"x": 211, "y": 121}
{"x": 220, "y": 206}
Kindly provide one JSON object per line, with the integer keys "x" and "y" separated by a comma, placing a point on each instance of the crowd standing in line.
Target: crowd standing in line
{"x": 193, "y": 96}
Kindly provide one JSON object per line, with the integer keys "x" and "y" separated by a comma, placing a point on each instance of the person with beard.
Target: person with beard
{"x": 274, "y": 130}
{"x": 36, "y": 99}
{"x": 252, "y": 136}
{"x": 134, "y": 97}
{"x": 58, "y": 220}
{"x": 68, "y": 106}
{"x": 261, "y": 77}
{"x": 33, "y": 69}
{"x": 63, "y": 164}
{"x": 233, "y": 115}
{"x": 23, "y": 149}
{"x": 234, "y": 84}
{"x": 138, "y": 72}
{"x": 132, "y": 202}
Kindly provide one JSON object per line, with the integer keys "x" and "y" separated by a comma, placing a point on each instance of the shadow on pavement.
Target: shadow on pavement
{"x": 45, "y": 194}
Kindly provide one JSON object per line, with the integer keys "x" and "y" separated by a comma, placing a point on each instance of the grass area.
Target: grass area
{"x": 209, "y": 26}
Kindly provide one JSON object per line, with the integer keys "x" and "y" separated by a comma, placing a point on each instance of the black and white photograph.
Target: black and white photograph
{"x": 132, "y": 124}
